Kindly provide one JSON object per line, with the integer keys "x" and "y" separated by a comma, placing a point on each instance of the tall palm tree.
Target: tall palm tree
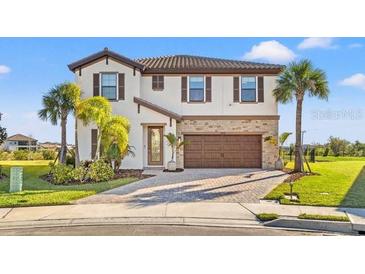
{"x": 298, "y": 79}
{"x": 57, "y": 104}
{"x": 96, "y": 110}
{"x": 76, "y": 92}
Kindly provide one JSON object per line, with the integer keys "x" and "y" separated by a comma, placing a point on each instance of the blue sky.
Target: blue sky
{"x": 30, "y": 66}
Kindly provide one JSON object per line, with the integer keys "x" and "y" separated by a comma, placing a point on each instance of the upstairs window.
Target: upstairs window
{"x": 196, "y": 89}
{"x": 109, "y": 85}
{"x": 248, "y": 89}
{"x": 157, "y": 82}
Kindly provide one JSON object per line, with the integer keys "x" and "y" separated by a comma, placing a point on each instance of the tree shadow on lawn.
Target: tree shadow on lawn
{"x": 355, "y": 197}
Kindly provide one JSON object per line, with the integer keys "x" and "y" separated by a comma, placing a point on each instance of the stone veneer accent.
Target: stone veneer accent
{"x": 270, "y": 152}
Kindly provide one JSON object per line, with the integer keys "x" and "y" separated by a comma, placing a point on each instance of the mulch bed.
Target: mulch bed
{"x": 124, "y": 173}
{"x": 176, "y": 170}
{"x": 294, "y": 176}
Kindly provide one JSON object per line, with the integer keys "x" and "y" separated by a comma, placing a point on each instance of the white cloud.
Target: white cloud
{"x": 316, "y": 42}
{"x": 4, "y": 69}
{"x": 272, "y": 51}
{"x": 357, "y": 80}
{"x": 355, "y": 45}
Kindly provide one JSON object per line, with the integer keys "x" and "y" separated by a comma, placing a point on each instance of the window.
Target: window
{"x": 109, "y": 85}
{"x": 196, "y": 89}
{"x": 248, "y": 89}
{"x": 157, "y": 82}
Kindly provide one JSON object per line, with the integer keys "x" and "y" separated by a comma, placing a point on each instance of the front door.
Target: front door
{"x": 155, "y": 145}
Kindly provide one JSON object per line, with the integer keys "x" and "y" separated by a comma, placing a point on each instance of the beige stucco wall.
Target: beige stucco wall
{"x": 125, "y": 108}
{"x": 222, "y": 97}
{"x": 265, "y": 128}
{"x": 170, "y": 98}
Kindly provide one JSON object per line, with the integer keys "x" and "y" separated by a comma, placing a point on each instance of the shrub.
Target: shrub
{"x": 79, "y": 174}
{"x": 264, "y": 217}
{"x": 34, "y": 155}
{"x": 100, "y": 171}
{"x": 6, "y": 156}
{"x": 48, "y": 154}
{"x": 326, "y": 151}
{"x": 21, "y": 155}
{"x": 61, "y": 174}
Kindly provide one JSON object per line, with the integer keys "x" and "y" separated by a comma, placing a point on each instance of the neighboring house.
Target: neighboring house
{"x": 20, "y": 142}
{"x": 223, "y": 108}
{"x": 54, "y": 146}
{"x": 50, "y": 145}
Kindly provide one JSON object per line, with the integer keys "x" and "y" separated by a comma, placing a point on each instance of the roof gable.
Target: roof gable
{"x": 102, "y": 54}
{"x": 20, "y": 137}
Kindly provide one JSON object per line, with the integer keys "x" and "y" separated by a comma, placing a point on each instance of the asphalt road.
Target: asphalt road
{"x": 154, "y": 230}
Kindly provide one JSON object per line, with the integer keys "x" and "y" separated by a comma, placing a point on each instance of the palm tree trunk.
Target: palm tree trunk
{"x": 77, "y": 156}
{"x": 298, "y": 164}
{"x": 63, "y": 141}
{"x": 97, "y": 153}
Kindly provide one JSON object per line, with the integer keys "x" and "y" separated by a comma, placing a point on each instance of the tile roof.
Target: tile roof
{"x": 20, "y": 137}
{"x": 200, "y": 64}
{"x": 182, "y": 64}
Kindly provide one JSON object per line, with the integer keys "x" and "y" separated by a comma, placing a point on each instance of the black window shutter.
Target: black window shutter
{"x": 161, "y": 82}
{"x": 121, "y": 86}
{"x": 184, "y": 89}
{"x": 236, "y": 89}
{"x": 208, "y": 89}
{"x": 96, "y": 84}
{"x": 154, "y": 82}
{"x": 260, "y": 88}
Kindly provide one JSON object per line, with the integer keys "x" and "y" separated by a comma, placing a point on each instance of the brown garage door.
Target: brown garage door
{"x": 222, "y": 151}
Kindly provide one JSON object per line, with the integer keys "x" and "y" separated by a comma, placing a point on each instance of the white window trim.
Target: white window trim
{"x": 188, "y": 84}
{"x": 116, "y": 88}
{"x": 240, "y": 85}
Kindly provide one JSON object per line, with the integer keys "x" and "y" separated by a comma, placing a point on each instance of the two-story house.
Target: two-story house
{"x": 20, "y": 142}
{"x": 223, "y": 108}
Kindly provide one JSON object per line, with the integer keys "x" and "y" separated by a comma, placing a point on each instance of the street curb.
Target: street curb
{"x": 190, "y": 221}
{"x": 342, "y": 227}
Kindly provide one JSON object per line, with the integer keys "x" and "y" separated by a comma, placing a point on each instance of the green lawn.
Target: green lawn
{"x": 38, "y": 192}
{"x": 340, "y": 182}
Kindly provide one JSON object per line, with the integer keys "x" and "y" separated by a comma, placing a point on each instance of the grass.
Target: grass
{"x": 324, "y": 217}
{"x": 340, "y": 181}
{"x": 264, "y": 217}
{"x": 37, "y": 192}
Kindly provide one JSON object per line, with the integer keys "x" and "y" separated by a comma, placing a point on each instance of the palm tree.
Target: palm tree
{"x": 296, "y": 80}
{"x": 282, "y": 139}
{"x": 76, "y": 91}
{"x": 115, "y": 132}
{"x": 57, "y": 104}
{"x": 95, "y": 110}
{"x": 174, "y": 144}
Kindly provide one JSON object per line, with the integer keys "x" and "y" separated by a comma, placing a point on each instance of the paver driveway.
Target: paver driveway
{"x": 192, "y": 185}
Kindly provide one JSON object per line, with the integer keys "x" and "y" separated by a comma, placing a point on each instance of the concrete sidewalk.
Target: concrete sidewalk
{"x": 198, "y": 213}
{"x": 214, "y": 214}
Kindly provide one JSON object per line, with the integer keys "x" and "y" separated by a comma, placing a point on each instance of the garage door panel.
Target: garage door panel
{"x": 222, "y": 151}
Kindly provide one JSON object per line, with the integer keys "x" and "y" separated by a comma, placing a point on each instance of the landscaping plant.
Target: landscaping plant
{"x": 175, "y": 145}
{"x": 296, "y": 80}
{"x": 96, "y": 110}
{"x": 100, "y": 171}
{"x": 58, "y": 103}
